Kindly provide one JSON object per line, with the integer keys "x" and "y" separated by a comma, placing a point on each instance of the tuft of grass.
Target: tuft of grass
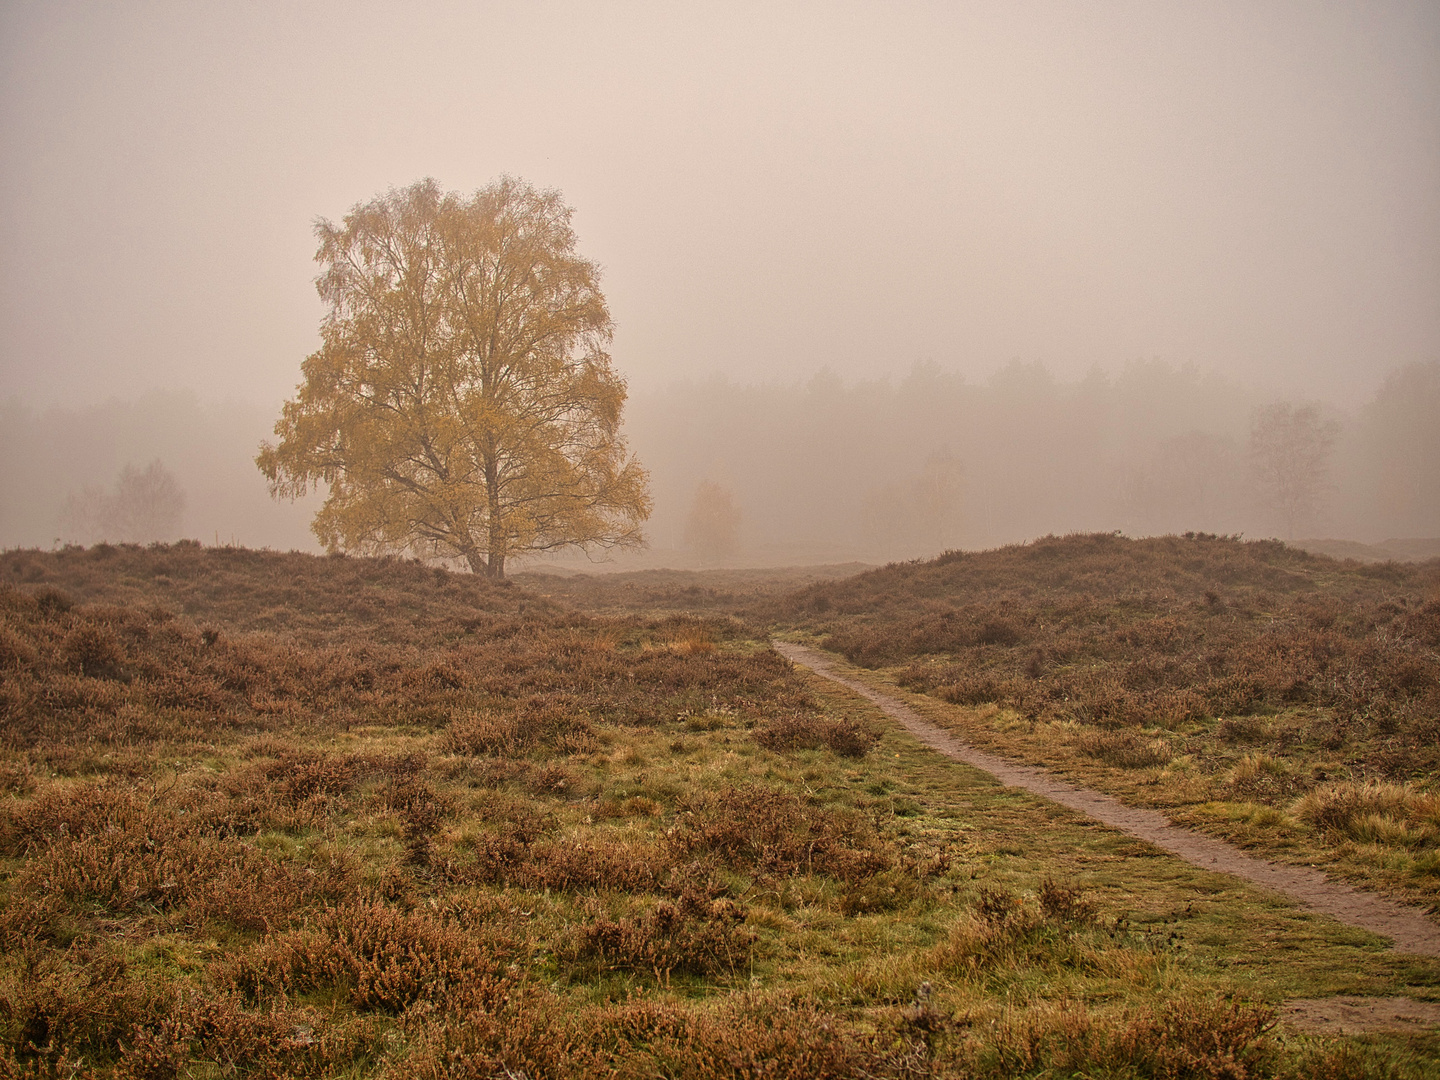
{"x": 1126, "y": 749}
{"x": 1397, "y": 815}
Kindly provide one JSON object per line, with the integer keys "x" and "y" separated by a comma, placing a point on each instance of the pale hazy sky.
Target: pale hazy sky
{"x": 771, "y": 188}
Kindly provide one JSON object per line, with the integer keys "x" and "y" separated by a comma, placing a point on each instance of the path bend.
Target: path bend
{"x": 1407, "y": 927}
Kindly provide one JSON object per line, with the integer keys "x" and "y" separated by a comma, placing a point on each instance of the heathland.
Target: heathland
{"x": 1280, "y": 699}
{"x": 277, "y": 815}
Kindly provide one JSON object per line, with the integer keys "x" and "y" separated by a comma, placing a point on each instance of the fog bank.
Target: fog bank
{"x": 828, "y": 470}
{"x": 49, "y": 456}
{"x": 840, "y": 470}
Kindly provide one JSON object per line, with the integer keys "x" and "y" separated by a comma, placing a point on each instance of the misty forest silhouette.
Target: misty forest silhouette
{"x": 1152, "y": 448}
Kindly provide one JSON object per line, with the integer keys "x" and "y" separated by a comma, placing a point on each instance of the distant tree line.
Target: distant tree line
{"x": 822, "y": 468}
{"x": 143, "y": 505}
{"x": 894, "y": 469}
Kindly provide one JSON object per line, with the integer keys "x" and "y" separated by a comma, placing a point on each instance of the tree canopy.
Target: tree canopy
{"x": 462, "y": 404}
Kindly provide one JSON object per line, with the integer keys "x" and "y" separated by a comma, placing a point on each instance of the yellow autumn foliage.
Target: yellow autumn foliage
{"x": 462, "y": 404}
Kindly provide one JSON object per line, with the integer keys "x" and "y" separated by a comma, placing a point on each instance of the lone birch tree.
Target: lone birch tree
{"x": 462, "y": 404}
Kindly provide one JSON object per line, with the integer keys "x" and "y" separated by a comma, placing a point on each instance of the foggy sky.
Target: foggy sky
{"x": 772, "y": 189}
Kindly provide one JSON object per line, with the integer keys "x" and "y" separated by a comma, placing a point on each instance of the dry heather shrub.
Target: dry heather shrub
{"x": 441, "y": 674}
{"x": 128, "y": 871}
{"x": 634, "y": 806}
{"x": 1242, "y": 729}
{"x": 378, "y": 958}
{"x": 510, "y": 857}
{"x": 27, "y": 827}
{"x": 217, "y": 1032}
{"x": 52, "y": 1008}
{"x": 691, "y": 935}
{"x": 70, "y": 1014}
{"x": 1124, "y": 748}
{"x": 532, "y": 1036}
{"x": 808, "y": 731}
{"x": 295, "y": 778}
{"x": 422, "y": 810}
{"x": 556, "y": 723}
{"x": 483, "y": 733}
{"x": 1183, "y": 1040}
{"x": 755, "y": 828}
{"x": 70, "y": 1022}
{"x": 1373, "y": 812}
{"x": 777, "y": 1036}
{"x": 1065, "y": 903}
{"x": 977, "y": 690}
{"x": 745, "y": 1037}
{"x": 15, "y": 651}
{"x": 52, "y": 601}
{"x": 17, "y": 777}
{"x": 1006, "y": 930}
{"x": 550, "y": 779}
{"x": 94, "y": 650}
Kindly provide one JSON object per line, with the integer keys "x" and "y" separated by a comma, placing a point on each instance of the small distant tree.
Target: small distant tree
{"x": 918, "y": 515}
{"x": 462, "y": 404}
{"x": 935, "y": 495}
{"x": 146, "y": 505}
{"x": 1290, "y": 449}
{"x": 712, "y": 528}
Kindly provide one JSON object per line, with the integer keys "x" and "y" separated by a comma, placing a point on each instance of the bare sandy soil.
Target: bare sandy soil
{"x": 1345, "y": 1015}
{"x": 1407, "y": 927}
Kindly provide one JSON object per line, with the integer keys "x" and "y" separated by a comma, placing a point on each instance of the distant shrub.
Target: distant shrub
{"x": 94, "y": 650}
{"x": 52, "y": 601}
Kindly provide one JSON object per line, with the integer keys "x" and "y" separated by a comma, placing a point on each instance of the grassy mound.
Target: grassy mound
{"x": 306, "y": 598}
{"x": 1248, "y": 681}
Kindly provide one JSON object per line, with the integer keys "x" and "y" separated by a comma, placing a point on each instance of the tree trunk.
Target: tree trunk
{"x": 495, "y": 562}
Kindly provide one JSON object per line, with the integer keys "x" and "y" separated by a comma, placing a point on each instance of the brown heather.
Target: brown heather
{"x": 278, "y": 816}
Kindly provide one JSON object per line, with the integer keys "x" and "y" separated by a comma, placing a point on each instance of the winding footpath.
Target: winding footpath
{"x": 1405, "y": 926}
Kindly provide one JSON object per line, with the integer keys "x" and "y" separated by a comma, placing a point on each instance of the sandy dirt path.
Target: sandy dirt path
{"x": 1406, "y": 926}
